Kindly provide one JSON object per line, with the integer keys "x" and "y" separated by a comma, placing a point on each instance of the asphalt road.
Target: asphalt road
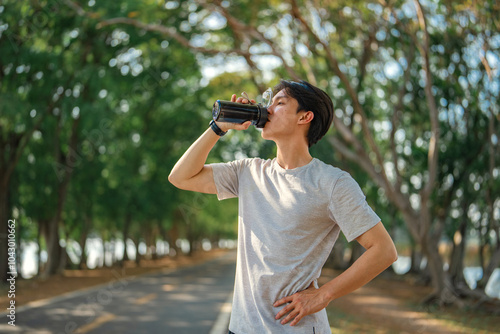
{"x": 184, "y": 301}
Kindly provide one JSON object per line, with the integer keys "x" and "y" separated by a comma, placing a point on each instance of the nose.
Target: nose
{"x": 270, "y": 110}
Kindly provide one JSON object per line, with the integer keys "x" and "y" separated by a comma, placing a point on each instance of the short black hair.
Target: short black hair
{"x": 310, "y": 98}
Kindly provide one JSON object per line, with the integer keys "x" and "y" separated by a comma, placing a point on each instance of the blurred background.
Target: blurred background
{"x": 99, "y": 99}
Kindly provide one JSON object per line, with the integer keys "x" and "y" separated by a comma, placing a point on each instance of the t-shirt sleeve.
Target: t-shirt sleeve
{"x": 349, "y": 209}
{"x": 226, "y": 178}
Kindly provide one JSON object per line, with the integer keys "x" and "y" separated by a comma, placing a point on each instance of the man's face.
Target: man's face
{"x": 283, "y": 117}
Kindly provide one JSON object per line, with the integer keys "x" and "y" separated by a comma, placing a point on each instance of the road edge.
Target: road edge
{"x": 222, "y": 322}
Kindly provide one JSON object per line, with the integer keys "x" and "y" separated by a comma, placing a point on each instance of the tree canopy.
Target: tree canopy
{"x": 99, "y": 100}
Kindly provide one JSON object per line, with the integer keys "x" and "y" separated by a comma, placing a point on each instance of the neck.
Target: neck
{"x": 292, "y": 155}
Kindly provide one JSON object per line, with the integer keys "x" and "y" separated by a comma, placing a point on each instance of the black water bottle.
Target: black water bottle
{"x": 232, "y": 112}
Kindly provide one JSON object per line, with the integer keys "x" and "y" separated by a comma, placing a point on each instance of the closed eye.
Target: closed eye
{"x": 280, "y": 100}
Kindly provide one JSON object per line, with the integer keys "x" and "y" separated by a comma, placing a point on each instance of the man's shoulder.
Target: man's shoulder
{"x": 329, "y": 170}
{"x": 248, "y": 163}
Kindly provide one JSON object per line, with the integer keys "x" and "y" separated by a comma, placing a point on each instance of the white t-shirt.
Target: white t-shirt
{"x": 289, "y": 220}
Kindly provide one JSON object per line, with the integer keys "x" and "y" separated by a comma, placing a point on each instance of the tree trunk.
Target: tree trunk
{"x": 106, "y": 247}
{"x": 138, "y": 255}
{"x": 444, "y": 291}
{"x": 102, "y": 260}
{"x": 172, "y": 236}
{"x": 154, "y": 252}
{"x": 42, "y": 225}
{"x": 493, "y": 264}
{"x": 64, "y": 169}
{"x": 83, "y": 241}
{"x": 147, "y": 240}
{"x": 126, "y": 228}
{"x": 54, "y": 250}
{"x": 416, "y": 259}
{"x": 164, "y": 236}
{"x": 83, "y": 258}
{"x": 456, "y": 270}
{"x": 191, "y": 242}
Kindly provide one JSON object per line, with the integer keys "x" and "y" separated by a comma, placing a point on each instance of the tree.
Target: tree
{"x": 388, "y": 68}
{"x": 28, "y": 94}
{"x": 66, "y": 92}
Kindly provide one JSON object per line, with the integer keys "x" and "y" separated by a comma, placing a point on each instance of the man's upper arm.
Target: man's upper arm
{"x": 221, "y": 179}
{"x": 377, "y": 236}
{"x": 202, "y": 182}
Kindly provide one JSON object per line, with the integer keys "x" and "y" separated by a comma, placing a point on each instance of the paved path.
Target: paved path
{"x": 184, "y": 301}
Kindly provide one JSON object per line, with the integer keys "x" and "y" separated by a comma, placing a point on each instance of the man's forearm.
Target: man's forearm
{"x": 364, "y": 269}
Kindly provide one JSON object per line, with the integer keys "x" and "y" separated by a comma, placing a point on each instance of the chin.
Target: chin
{"x": 264, "y": 133}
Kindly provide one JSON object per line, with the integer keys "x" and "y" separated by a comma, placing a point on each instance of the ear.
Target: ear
{"x": 306, "y": 117}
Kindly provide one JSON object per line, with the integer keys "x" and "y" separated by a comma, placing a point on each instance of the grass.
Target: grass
{"x": 341, "y": 322}
{"x": 389, "y": 305}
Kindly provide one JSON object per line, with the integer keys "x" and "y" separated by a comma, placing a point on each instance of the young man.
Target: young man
{"x": 291, "y": 210}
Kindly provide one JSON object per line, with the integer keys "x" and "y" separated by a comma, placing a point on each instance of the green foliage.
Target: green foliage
{"x": 139, "y": 97}
{"x": 138, "y": 104}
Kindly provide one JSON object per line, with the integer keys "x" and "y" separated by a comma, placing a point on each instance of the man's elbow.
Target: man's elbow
{"x": 387, "y": 254}
{"x": 174, "y": 180}
{"x": 392, "y": 254}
